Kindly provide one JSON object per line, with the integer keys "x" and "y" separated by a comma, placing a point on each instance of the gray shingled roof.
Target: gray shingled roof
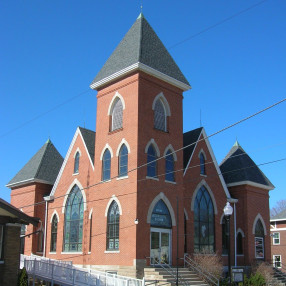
{"x": 238, "y": 167}
{"x": 43, "y": 166}
{"x": 141, "y": 45}
{"x": 281, "y": 215}
{"x": 190, "y": 137}
{"x": 89, "y": 139}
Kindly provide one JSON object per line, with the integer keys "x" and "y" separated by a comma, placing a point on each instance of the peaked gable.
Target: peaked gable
{"x": 42, "y": 167}
{"x": 239, "y": 169}
{"x": 88, "y": 138}
{"x": 141, "y": 49}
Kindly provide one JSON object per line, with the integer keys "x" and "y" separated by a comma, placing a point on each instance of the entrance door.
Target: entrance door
{"x": 160, "y": 246}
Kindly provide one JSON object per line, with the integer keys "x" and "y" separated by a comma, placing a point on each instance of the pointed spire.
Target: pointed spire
{"x": 236, "y": 144}
{"x": 48, "y": 141}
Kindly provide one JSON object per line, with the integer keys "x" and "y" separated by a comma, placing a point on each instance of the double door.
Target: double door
{"x": 160, "y": 252}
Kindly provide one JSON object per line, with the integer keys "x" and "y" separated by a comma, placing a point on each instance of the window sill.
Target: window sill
{"x": 1, "y": 262}
{"x": 112, "y": 251}
{"x": 71, "y": 252}
{"x": 170, "y": 182}
{"x": 203, "y": 175}
{"x": 107, "y": 181}
{"x": 89, "y": 252}
{"x": 160, "y": 130}
{"x": 240, "y": 255}
{"x": 75, "y": 174}
{"x": 152, "y": 178}
{"x": 115, "y": 131}
{"x": 53, "y": 252}
{"x": 122, "y": 178}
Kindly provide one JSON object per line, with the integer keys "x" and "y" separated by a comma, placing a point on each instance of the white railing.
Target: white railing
{"x": 61, "y": 272}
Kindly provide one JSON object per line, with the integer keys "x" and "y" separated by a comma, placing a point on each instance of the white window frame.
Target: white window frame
{"x": 275, "y": 238}
{"x": 280, "y": 261}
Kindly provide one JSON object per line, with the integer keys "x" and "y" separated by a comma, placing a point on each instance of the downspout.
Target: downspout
{"x": 47, "y": 200}
{"x": 234, "y": 201}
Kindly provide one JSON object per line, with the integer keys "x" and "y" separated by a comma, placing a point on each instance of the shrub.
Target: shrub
{"x": 255, "y": 280}
{"x": 210, "y": 262}
{"x": 23, "y": 277}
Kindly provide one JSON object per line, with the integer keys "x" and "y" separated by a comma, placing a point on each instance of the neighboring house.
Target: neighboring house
{"x": 11, "y": 220}
{"x": 278, "y": 240}
{"x": 113, "y": 206}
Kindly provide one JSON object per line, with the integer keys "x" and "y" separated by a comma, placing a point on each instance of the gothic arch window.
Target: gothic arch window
{"x": 112, "y": 238}
{"x": 239, "y": 244}
{"x": 90, "y": 231}
{"x": 123, "y": 161}
{"x": 151, "y": 162}
{"x": 169, "y": 167}
{"x": 259, "y": 240}
{"x": 117, "y": 114}
{"x": 54, "y": 232}
{"x": 224, "y": 233}
{"x": 204, "y": 237}
{"x": 202, "y": 163}
{"x": 160, "y": 118}
{"x": 161, "y": 216}
{"x": 76, "y": 162}
{"x": 106, "y": 165}
{"x": 73, "y": 226}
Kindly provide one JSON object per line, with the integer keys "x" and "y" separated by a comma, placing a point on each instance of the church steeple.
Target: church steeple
{"x": 141, "y": 49}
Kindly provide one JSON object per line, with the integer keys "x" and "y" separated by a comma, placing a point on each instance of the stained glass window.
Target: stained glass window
{"x": 159, "y": 116}
{"x": 117, "y": 115}
{"x": 259, "y": 240}
{"x": 76, "y": 162}
{"x": 106, "y": 165}
{"x": 54, "y": 232}
{"x": 202, "y": 164}
{"x": 112, "y": 242}
{"x": 161, "y": 216}
{"x": 169, "y": 167}
{"x": 204, "y": 236}
{"x": 151, "y": 164}
{"x": 123, "y": 161}
{"x": 73, "y": 221}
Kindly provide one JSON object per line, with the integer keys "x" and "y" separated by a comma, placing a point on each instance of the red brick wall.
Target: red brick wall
{"x": 279, "y": 249}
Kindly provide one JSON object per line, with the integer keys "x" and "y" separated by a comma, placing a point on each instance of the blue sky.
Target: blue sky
{"x": 51, "y": 50}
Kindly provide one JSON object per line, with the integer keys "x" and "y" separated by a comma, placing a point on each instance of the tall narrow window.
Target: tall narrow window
{"x": 123, "y": 161}
{"x": 112, "y": 242}
{"x": 169, "y": 167}
{"x": 151, "y": 163}
{"x": 204, "y": 237}
{"x": 117, "y": 115}
{"x": 259, "y": 240}
{"x": 239, "y": 245}
{"x": 224, "y": 236}
{"x": 276, "y": 238}
{"x": 160, "y": 116}
{"x": 40, "y": 241}
{"x": 76, "y": 162}
{"x": 106, "y": 165}
{"x": 73, "y": 221}
{"x": 90, "y": 233}
{"x": 202, "y": 164}
{"x": 54, "y": 232}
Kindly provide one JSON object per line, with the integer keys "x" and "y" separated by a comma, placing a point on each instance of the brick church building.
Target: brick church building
{"x": 139, "y": 191}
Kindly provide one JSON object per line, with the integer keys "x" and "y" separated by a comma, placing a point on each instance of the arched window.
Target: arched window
{"x": 202, "y": 164}
{"x": 161, "y": 216}
{"x": 123, "y": 161}
{"x": 73, "y": 221}
{"x": 204, "y": 238}
{"x": 239, "y": 245}
{"x": 151, "y": 163}
{"x": 224, "y": 234}
{"x": 117, "y": 115}
{"x": 106, "y": 165}
{"x": 160, "y": 121}
{"x": 76, "y": 163}
{"x": 169, "y": 167}
{"x": 54, "y": 232}
{"x": 112, "y": 241}
{"x": 90, "y": 232}
{"x": 259, "y": 240}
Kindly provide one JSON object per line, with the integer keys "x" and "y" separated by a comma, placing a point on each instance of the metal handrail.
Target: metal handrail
{"x": 197, "y": 268}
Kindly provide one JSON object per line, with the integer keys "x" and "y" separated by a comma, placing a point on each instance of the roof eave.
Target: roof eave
{"x": 28, "y": 181}
{"x": 141, "y": 67}
{"x": 277, "y": 219}
{"x": 250, "y": 183}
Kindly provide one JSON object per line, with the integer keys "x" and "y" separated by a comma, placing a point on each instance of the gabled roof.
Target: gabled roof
{"x": 89, "y": 140}
{"x": 15, "y": 215}
{"x": 42, "y": 167}
{"x": 279, "y": 216}
{"x": 239, "y": 169}
{"x": 141, "y": 49}
{"x": 190, "y": 138}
